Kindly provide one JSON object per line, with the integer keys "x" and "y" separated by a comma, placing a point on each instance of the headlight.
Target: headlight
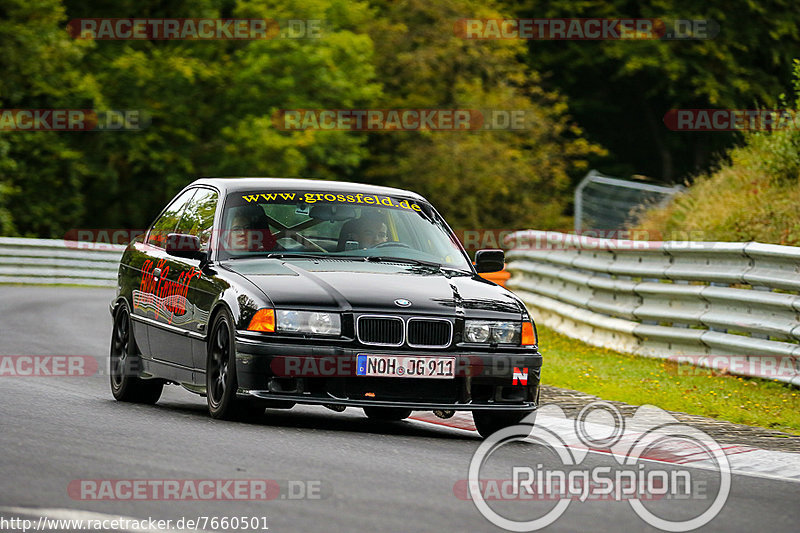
{"x": 324, "y": 324}
{"x": 313, "y": 323}
{"x": 506, "y": 332}
{"x": 476, "y": 331}
{"x": 485, "y": 331}
{"x": 289, "y": 321}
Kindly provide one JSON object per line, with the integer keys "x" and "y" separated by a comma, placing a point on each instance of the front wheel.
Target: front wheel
{"x": 221, "y": 382}
{"x": 387, "y": 414}
{"x": 126, "y": 386}
{"x": 487, "y": 422}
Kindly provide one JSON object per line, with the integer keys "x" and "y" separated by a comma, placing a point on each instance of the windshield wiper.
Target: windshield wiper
{"x": 389, "y": 259}
{"x": 448, "y": 269}
{"x": 306, "y": 255}
{"x": 289, "y": 255}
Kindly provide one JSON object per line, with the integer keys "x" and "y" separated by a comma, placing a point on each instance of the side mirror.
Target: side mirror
{"x": 188, "y": 246}
{"x": 490, "y": 261}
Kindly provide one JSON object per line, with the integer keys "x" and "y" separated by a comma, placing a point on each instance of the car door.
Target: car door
{"x": 161, "y": 296}
{"x": 197, "y": 280}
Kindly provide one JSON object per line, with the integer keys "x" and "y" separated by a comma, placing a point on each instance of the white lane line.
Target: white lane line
{"x": 743, "y": 460}
{"x": 461, "y": 420}
{"x": 85, "y": 516}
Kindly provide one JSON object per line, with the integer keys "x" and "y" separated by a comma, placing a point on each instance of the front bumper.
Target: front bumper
{"x": 325, "y": 374}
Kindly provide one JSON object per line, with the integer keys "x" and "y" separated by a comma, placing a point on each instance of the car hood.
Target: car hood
{"x": 374, "y": 287}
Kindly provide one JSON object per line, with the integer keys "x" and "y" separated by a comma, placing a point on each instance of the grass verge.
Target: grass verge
{"x": 611, "y": 375}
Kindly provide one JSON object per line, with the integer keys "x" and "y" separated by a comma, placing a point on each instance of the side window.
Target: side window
{"x": 168, "y": 221}
{"x": 198, "y": 217}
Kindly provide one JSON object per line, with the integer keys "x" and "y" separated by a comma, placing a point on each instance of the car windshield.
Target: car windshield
{"x": 336, "y": 224}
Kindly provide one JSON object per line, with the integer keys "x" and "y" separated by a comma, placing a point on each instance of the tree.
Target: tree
{"x": 481, "y": 179}
{"x": 41, "y": 173}
{"x": 751, "y": 197}
{"x": 211, "y": 104}
{"x": 620, "y": 90}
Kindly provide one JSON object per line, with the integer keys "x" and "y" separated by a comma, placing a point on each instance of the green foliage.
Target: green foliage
{"x": 41, "y": 173}
{"x": 483, "y": 179}
{"x": 752, "y": 197}
{"x": 619, "y": 90}
{"x": 211, "y": 106}
{"x": 638, "y": 380}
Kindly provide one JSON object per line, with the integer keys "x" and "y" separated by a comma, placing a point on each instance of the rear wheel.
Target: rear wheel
{"x": 126, "y": 385}
{"x": 387, "y": 413}
{"x": 221, "y": 382}
{"x": 487, "y": 422}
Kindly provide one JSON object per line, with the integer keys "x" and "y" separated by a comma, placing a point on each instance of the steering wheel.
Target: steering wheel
{"x": 391, "y": 243}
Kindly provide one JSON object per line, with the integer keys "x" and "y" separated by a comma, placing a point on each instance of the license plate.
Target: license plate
{"x": 401, "y": 366}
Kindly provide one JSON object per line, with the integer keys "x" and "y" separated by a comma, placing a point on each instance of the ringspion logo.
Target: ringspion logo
{"x": 686, "y": 501}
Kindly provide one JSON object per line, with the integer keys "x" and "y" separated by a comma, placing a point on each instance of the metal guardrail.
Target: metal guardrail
{"x": 658, "y": 299}
{"x": 603, "y": 202}
{"x": 52, "y": 262}
{"x": 730, "y": 306}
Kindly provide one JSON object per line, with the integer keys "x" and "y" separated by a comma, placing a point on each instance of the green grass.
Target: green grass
{"x": 572, "y": 364}
{"x": 752, "y": 194}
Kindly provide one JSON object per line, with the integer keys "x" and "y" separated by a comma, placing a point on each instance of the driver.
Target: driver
{"x": 368, "y": 230}
{"x": 249, "y": 230}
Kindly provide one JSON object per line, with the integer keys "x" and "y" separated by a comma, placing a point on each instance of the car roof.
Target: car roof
{"x": 227, "y": 185}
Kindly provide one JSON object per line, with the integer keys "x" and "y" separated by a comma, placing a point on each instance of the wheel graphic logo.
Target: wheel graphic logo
{"x": 593, "y": 441}
{"x": 628, "y": 444}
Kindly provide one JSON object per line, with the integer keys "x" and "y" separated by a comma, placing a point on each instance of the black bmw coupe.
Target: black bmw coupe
{"x": 264, "y": 293}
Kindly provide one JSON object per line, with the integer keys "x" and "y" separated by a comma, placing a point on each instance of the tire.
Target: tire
{"x": 124, "y": 358}
{"x": 487, "y": 422}
{"x": 387, "y": 414}
{"x": 221, "y": 382}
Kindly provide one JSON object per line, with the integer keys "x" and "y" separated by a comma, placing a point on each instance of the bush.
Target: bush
{"x": 753, "y": 195}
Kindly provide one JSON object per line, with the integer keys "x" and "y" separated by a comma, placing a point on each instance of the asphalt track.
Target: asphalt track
{"x": 371, "y": 476}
